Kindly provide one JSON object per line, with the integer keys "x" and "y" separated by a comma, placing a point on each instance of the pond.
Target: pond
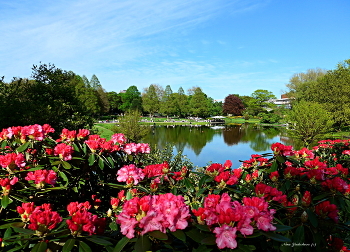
{"x": 216, "y": 144}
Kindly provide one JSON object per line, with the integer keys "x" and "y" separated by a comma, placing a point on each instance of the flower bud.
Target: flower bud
{"x": 304, "y": 217}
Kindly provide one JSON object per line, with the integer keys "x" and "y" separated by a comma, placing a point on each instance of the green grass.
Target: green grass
{"x": 104, "y": 130}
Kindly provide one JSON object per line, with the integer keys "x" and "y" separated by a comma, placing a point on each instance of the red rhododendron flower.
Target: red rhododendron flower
{"x": 26, "y": 210}
{"x": 6, "y": 184}
{"x": 274, "y": 176}
{"x": 64, "y": 151}
{"x": 335, "y": 184}
{"x": 82, "y": 133}
{"x": 12, "y": 160}
{"x": 325, "y": 209}
{"x": 281, "y": 149}
{"x": 43, "y": 219}
{"x": 304, "y": 153}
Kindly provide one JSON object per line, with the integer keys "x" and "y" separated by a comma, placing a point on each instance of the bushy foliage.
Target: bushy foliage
{"x": 83, "y": 193}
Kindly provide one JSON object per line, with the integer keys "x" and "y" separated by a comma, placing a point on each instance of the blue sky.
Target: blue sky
{"x": 223, "y": 46}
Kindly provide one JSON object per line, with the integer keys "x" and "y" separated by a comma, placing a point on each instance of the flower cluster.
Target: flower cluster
{"x": 6, "y": 184}
{"x": 255, "y": 161}
{"x": 130, "y": 174}
{"x": 35, "y": 132}
{"x": 71, "y": 135}
{"x": 150, "y": 213}
{"x": 41, "y": 177}
{"x": 11, "y": 161}
{"x": 232, "y": 216}
{"x": 64, "y": 151}
{"x": 43, "y": 219}
{"x": 281, "y": 149}
{"x": 83, "y": 221}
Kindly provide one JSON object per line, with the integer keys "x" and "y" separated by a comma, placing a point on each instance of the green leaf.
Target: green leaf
{"x": 298, "y": 236}
{"x": 276, "y": 237}
{"x": 245, "y": 248}
{"x": 179, "y": 234}
{"x": 12, "y": 224}
{"x": 83, "y": 247}
{"x": 128, "y": 195}
{"x": 273, "y": 167}
{"x": 312, "y": 217}
{"x": 143, "y": 244}
{"x": 188, "y": 184}
{"x": 111, "y": 162}
{"x": 113, "y": 226}
{"x": 101, "y": 163}
{"x": 322, "y": 196}
{"x": 91, "y": 159}
{"x": 282, "y": 228}
{"x": 202, "y": 248}
{"x": 5, "y": 201}
{"x": 121, "y": 244}
{"x": 195, "y": 235}
{"x": 159, "y": 235}
{"x": 23, "y": 231}
{"x": 203, "y": 227}
{"x": 63, "y": 176}
{"x": 210, "y": 240}
{"x": 203, "y": 180}
{"x": 99, "y": 241}
{"x": 281, "y": 159}
{"x": 23, "y": 147}
{"x": 66, "y": 165}
{"x": 68, "y": 246}
{"x": 40, "y": 247}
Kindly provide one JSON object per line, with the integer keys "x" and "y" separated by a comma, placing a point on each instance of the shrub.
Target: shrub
{"x": 83, "y": 193}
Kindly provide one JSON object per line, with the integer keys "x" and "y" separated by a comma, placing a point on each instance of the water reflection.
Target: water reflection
{"x": 206, "y": 144}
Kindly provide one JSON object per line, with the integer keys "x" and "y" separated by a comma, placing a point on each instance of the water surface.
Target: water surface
{"x": 216, "y": 144}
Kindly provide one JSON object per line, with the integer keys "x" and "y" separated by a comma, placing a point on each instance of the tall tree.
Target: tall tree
{"x": 198, "y": 103}
{"x": 233, "y": 105}
{"x": 180, "y": 101}
{"x": 115, "y": 101}
{"x": 300, "y": 83}
{"x": 131, "y": 99}
{"x": 167, "y": 104}
{"x": 150, "y": 100}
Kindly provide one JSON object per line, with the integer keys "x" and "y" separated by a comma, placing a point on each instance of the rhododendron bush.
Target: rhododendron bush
{"x": 83, "y": 193}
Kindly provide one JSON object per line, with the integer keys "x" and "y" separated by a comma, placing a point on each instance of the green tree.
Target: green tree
{"x": 131, "y": 99}
{"x": 198, "y": 102}
{"x": 260, "y": 103}
{"x": 167, "y": 105}
{"x": 150, "y": 100}
{"x": 181, "y": 103}
{"x": 115, "y": 101}
{"x": 49, "y": 98}
{"x": 308, "y": 120}
{"x": 300, "y": 83}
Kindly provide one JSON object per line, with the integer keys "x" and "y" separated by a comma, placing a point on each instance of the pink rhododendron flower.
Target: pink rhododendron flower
{"x": 41, "y": 177}
{"x": 119, "y": 138}
{"x": 226, "y": 237}
{"x": 82, "y": 133}
{"x": 64, "y": 151}
{"x": 130, "y": 171}
{"x": 150, "y": 213}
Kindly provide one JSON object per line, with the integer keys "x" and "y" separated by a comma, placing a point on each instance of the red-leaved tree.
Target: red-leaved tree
{"x": 233, "y": 105}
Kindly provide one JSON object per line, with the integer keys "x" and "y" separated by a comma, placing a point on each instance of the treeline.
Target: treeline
{"x": 54, "y": 96}
{"x": 322, "y": 100}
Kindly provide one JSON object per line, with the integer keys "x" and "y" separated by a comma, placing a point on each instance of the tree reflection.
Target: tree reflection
{"x": 196, "y": 138}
